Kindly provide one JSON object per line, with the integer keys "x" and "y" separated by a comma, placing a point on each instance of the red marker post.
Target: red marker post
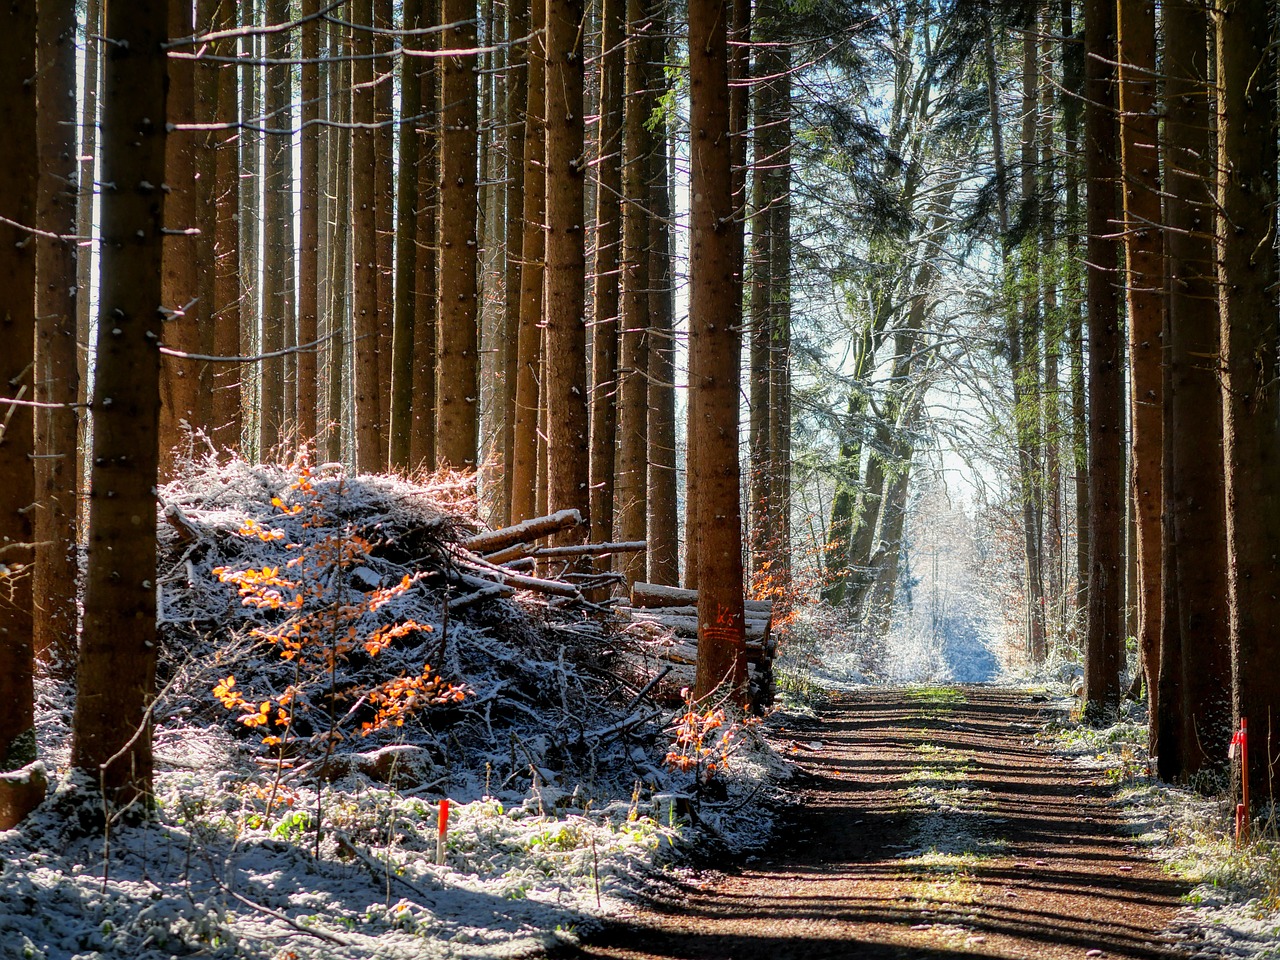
{"x": 1240, "y": 746}
{"x": 442, "y": 829}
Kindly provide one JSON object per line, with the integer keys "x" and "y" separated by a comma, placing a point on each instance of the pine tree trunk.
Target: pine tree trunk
{"x": 714, "y": 300}
{"x": 1144, "y": 250}
{"x": 116, "y": 675}
{"x": 1251, "y": 401}
{"x": 524, "y": 457}
{"x": 338, "y": 352}
{"x": 308, "y": 310}
{"x": 19, "y": 168}
{"x": 384, "y": 209}
{"x": 277, "y": 235}
{"x": 250, "y": 180}
{"x": 181, "y": 398}
{"x": 365, "y": 369}
{"x": 764, "y": 208}
{"x": 457, "y": 368}
{"x": 1072, "y": 79}
{"x": 1024, "y": 347}
{"x": 1196, "y": 483}
{"x": 517, "y": 84}
{"x": 56, "y": 376}
{"x": 422, "y": 438}
{"x": 633, "y": 393}
{"x": 568, "y": 486}
{"x": 1104, "y": 648}
{"x": 1049, "y": 231}
{"x": 604, "y": 344}
{"x": 780, "y": 351}
{"x": 663, "y": 521}
{"x": 223, "y": 380}
{"x": 88, "y": 188}
{"x": 402, "y": 339}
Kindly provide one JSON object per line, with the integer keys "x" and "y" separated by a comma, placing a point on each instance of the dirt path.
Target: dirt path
{"x": 932, "y": 827}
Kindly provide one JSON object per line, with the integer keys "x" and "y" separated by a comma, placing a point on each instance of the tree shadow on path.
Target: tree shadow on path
{"x": 931, "y": 826}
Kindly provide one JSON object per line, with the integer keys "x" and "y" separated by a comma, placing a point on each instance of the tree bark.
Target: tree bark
{"x": 1251, "y": 400}
{"x": 182, "y": 402}
{"x": 277, "y": 235}
{"x": 365, "y": 368}
{"x": 517, "y": 82}
{"x": 1144, "y": 251}
{"x": 457, "y": 369}
{"x": 402, "y": 339}
{"x": 604, "y": 344}
{"x": 631, "y": 522}
{"x": 384, "y": 208}
{"x": 19, "y": 167}
{"x": 111, "y": 739}
{"x": 308, "y": 227}
{"x": 663, "y": 521}
{"x": 1104, "y": 646}
{"x": 57, "y": 375}
{"x": 568, "y": 485}
{"x": 1194, "y": 434}
{"x": 714, "y": 300}
{"x": 422, "y": 439}
{"x": 524, "y": 458}
{"x": 222, "y": 380}
{"x": 251, "y": 220}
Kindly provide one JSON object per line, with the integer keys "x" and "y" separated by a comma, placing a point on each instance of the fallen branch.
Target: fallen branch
{"x": 523, "y": 532}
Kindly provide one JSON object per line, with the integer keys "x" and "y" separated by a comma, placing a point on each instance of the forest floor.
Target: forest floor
{"x": 933, "y": 824}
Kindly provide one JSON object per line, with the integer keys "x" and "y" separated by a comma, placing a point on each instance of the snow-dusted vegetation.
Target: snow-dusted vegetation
{"x": 328, "y": 678}
{"x": 1233, "y": 908}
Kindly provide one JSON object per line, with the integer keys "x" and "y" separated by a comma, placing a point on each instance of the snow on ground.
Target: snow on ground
{"x": 1233, "y": 909}
{"x": 562, "y": 804}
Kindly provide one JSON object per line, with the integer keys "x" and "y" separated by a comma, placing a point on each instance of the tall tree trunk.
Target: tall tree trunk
{"x": 56, "y": 376}
{"x": 604, "y": 344}
{"x": 1024, "y": 350}
{"x": 338, "y": 354}
{"x": 780, "y": 350}
{"x": 1251, "y": 401}
{"x": 88, "y": 190}
{"x": 250, "y": 178}
{"x": 1194, "y": 433}
{"x": 517, "y": 84}
{"x": 568, "y": 485}
{"x": 1053, "y": 314}
{"x": 111, "y": 739}
{"x": 663, "y": 521}
{"x": 714, "y": 300}
{"x": 763, "y": 215}
{"x": 422, "y": 439}
{"x": 1072, "y": 79}
{"x": 384, "y": 208}
{"x": 365, "y": 368}
{"x": 457, "y": 369}
{"x": 19, "y": 167}
{"x": 1104, "y": 646}
{"x": 181, "y": 399}
{"x": 631, "y": 522}
{"x": 524, "y": 458}
{"x": 308, "y": 310}
{"x": 1144, "y": 251}
{"x": 402, "y": 355}
{"x": 277, "y": 234}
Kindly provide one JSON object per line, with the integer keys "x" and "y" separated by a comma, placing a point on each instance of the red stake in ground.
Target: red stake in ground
{"x": 1241, "y": 740}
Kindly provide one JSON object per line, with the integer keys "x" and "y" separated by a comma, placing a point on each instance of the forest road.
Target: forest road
{"x": 931, "y": 826}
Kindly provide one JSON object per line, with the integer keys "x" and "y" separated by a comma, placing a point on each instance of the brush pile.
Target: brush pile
{"x": 368, "y": 624}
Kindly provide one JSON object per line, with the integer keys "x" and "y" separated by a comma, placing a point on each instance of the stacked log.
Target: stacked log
{"x": 675, "y": 610}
